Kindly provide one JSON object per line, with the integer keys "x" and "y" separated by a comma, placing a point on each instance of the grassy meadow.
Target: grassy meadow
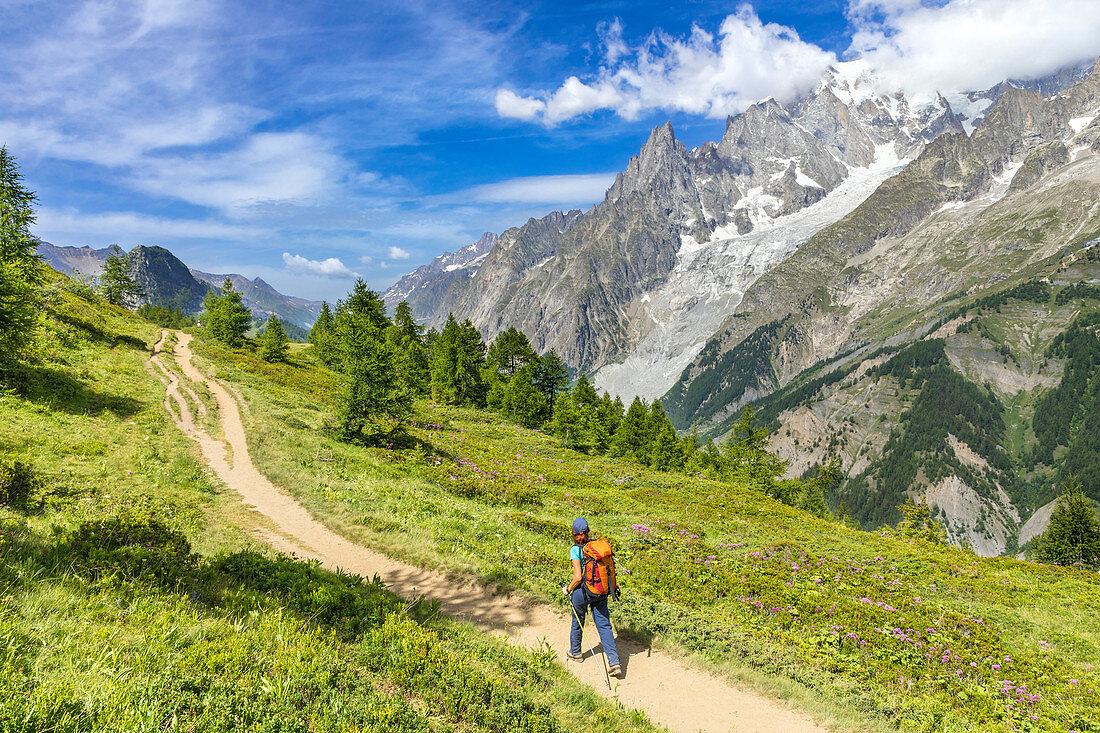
{"x": 866, "y": 630}
{"x": 132, "y": 596}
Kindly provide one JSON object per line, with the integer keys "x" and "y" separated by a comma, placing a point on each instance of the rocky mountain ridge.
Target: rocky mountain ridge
{"x": 167, "y": 281}
{"x": 594, "y": 288}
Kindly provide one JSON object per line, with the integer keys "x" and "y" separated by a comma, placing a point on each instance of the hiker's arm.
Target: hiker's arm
{"x": 576, "y": 576}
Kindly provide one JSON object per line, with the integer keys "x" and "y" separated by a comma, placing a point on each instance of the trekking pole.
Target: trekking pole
{"x": 591, "y": 647}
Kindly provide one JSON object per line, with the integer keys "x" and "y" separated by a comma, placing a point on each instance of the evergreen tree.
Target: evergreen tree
{"x": 274, "y": 345}
{"x": 366, "y": 304}
{"x": 511, "y": 351}
{"x": 115, "y": 284}
{"x": 746, "y": 454}
{"x": 917, "y": 522}
{"x": 1074, "y": 532}
{"x": 324, "y": 325}
{"x": 611, "y": 413}
{"x": 410, "y": 330}
{"x": 585, "y": 394}
{"x": 20, "y": 271}
{"x": 375, "y": 394}
{"x": 551, "y": 376}
{"x": 522, "y": 400}
{"x": 458, "y": 356}
{"x": 812, "y": 492}
{"x": 17, "y": 247}
{"x": 322, "y": 336}
{"x": 225, "y": 317}
{"x": 632, "y": 439}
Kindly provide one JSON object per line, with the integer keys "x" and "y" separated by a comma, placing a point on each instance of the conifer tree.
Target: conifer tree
{"x": 551, "y": 376}
{"x": 585, "y": 394}
{"x": 225, "y": 317}
{"x": 522, "y": 400}
{"x": 115, "y": 283}
{"x": 20, "y": 270}
{"x": 405, "y": 323}
{"x": 375, "y": 394}
{"x": 511, "y": 351}
{"x": 366, "y": 304}
{"x": 632, "y": 439}
{"x": 17, "y": 247}
{"x": 322, "y": 336}
{"x": 611, "y": 413}
{"x": 458, "y": 356}
{"x": 274, "y": 345}
{"x": 747, "y": 457}
{"x": 1074, "y": 532}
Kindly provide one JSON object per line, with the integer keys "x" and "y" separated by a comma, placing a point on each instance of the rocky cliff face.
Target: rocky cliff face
{"x": 638, "y": 283}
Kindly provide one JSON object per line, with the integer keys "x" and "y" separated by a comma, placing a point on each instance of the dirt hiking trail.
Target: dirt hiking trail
{"x": 668, "y": 691}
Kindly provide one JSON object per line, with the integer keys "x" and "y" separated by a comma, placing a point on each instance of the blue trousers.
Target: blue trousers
{"x": 598, "y": 605}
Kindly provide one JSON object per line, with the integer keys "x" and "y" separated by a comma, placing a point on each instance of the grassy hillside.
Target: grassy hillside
{"x": 133, "y": 599}
{"x": 875, "y": 630}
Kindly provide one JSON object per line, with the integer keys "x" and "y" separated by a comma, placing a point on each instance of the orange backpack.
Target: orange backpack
{"x": 598, "y": 567}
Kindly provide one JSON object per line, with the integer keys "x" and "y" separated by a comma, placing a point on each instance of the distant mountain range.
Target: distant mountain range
{"x": 169, "y": 282}
{"x": 912, "y": 285}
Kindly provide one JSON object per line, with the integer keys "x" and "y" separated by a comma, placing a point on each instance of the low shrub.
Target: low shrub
{"x": 137, "y": 548}
{"x": 20, "y": 486}
{"x": 342, "y": 602}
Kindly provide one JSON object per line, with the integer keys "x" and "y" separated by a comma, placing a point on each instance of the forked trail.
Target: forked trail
{"x": 670, "y": 692}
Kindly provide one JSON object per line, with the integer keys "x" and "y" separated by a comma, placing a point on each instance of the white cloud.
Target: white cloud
{"x": 331, "y": 267}
{"x": 554, "y": 190}
{"x": 701, "y": 74}
{"x": 396, "y": 253}
{"x": 510, "y": 104}
{"x": 971, "y": 44}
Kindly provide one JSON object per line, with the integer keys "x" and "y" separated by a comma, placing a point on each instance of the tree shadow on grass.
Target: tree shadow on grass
{"x": 61, "y": 391}
{"x": 95, "y": 333}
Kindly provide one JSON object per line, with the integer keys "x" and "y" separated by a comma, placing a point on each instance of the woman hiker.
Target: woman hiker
{"x": 583, "y": 599}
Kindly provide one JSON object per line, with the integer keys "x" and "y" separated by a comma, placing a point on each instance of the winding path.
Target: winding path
{"x": 668, "y": 691}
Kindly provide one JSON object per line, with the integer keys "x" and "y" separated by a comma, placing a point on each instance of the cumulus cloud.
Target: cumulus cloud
{"x": 971, "y": 44}
{"x": 396, "y": 253}
{"x": 703, "y": 73}
{"x": 331, "y": 267}
{"x": 580, "y": 189}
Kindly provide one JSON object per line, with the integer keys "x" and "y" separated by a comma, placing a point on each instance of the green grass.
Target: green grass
{"x": 91, "y": 639}
{"x": 842, "y": 621}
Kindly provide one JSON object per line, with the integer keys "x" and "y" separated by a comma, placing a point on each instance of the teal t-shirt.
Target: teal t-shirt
{"x": 575, "y": 552}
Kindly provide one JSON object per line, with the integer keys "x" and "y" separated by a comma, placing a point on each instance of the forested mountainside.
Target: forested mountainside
{"x": 1010, "y": 211}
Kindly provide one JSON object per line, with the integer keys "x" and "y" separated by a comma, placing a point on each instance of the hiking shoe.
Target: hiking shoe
{"x": 615, "y": 671}
{"x": 575, "y": 657}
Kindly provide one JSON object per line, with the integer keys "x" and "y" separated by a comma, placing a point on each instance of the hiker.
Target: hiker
{"x": 593, "y": 581}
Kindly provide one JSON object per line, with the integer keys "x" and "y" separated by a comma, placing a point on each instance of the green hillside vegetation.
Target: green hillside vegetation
{"x": 133, "y": 598}
{"x": 893, "y": 630}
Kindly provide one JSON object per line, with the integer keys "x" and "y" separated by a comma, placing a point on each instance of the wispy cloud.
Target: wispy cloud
{"x": 71, "y": 225}
{"x": 580, "y": 189}
{"x": 702, "y": 73}
{"x": 331, "y": 267}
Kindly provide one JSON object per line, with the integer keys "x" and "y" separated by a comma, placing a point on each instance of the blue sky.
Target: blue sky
{"x": 308, "y": 143}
